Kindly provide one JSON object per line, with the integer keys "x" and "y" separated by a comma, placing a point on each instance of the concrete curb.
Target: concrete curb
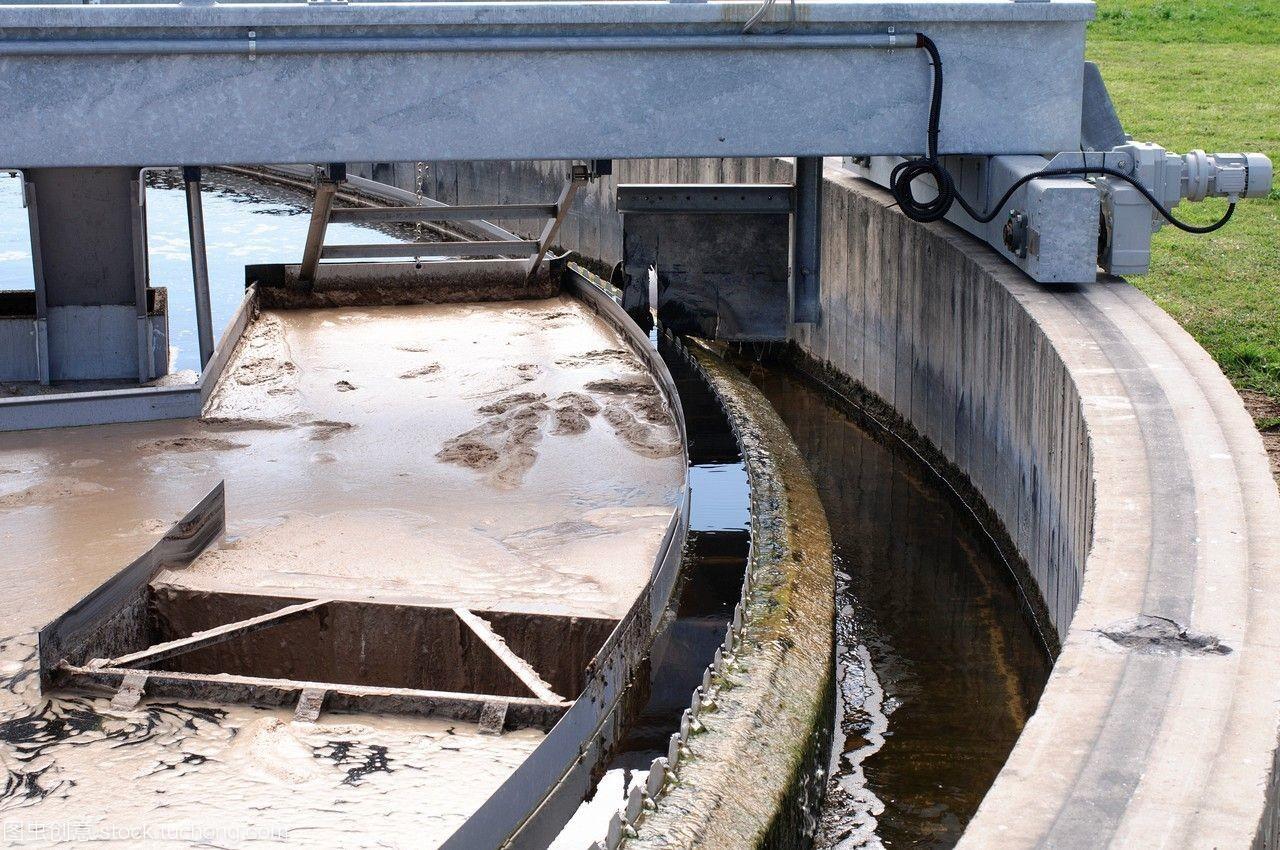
{"x": 746, "y": 769}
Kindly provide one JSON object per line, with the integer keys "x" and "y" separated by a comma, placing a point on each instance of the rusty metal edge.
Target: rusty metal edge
{"x": 523, "y": 712}
{"x": 188, "y": 537}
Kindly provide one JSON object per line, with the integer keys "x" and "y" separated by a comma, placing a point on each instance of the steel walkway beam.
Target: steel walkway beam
{"x": 199, "y": 264}
{"x": 461, "y": 212}
{"x": 842, "y": 81}
{"x": 522, "y": 248}
{"x": 326, "y": 188}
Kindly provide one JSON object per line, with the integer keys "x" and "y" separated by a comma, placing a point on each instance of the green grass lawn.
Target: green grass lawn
{"x": 1206, "y": 74}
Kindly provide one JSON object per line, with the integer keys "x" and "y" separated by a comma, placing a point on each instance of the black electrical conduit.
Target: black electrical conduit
{"x": 905, "y": 173}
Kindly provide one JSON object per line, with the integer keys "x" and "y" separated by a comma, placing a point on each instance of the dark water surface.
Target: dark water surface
{"x": 715, "y": 563}
{"x": 938, "y": 664}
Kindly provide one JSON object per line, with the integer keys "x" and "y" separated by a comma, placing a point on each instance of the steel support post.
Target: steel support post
{"x": 552, "y": 227}
{"x": 326, "y": 189}
{"x": 37, "y": 269}
{"x": 199, "y": 263}
{"x": 141, "y": 275}
{"x": 94, "y": 317}
{"x": 807, "y": 224}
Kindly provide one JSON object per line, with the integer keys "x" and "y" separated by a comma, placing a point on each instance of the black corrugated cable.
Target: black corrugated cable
{"x": 902, "y": 176}
{"x": 749, "y": 27}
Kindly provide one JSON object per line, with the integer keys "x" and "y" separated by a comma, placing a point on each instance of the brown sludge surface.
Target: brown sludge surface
{"x": 442, "y": 454}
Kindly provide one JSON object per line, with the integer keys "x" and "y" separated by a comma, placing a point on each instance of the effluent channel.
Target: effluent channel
{"x": 938, "y": 662}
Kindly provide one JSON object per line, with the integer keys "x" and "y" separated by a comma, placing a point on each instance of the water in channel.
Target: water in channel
{"x": 938, "y": 663}
{"x": 715, "y": 562}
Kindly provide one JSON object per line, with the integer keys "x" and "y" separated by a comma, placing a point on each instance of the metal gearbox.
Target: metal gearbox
{"x": 1063, "y": 228}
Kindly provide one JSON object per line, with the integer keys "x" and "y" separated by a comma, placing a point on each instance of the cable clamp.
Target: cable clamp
{"x": 253, "y": 45}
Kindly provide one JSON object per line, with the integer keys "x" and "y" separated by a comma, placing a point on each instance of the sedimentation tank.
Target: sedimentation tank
{"x": 535, "y": 493}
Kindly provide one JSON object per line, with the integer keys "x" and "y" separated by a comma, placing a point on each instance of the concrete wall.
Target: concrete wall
{"x": 86, "y": 343}
{"x": 18, "y": 361}
{"x": 1126, "y": 470}
{"x": 1118, "y": 460}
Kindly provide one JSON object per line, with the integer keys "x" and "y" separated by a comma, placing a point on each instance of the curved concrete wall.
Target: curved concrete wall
{"x": 1120, "y": 463}
{"x": 1134, "y": 484}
